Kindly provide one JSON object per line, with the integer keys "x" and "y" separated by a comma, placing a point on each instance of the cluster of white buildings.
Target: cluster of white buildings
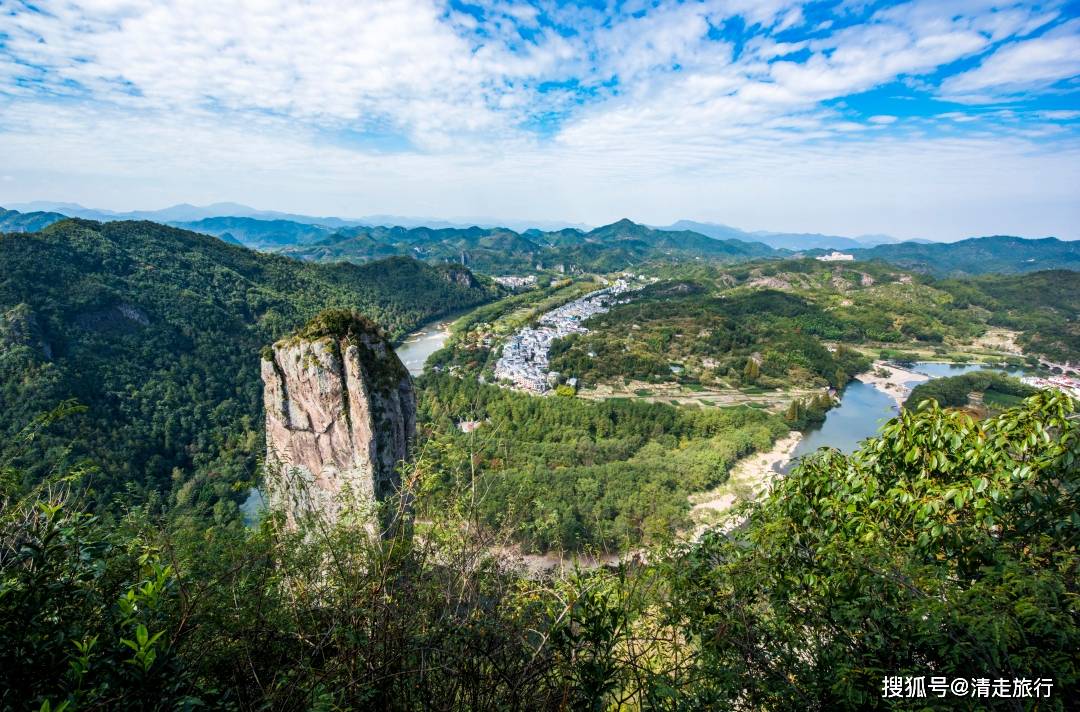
{"x": 524, "y": 359}
{"x": 514, "y": 282}
{"x": 1068, "y": 384}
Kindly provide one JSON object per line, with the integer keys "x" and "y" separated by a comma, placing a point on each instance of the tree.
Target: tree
{"x": 945, "y": 545}
{"x": 752, "y": 370}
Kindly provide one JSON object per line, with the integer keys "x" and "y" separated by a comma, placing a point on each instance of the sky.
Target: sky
{"x": 929, "y": 118}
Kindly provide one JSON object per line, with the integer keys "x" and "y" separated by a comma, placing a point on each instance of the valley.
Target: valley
{"x": 829, "y": 393}
{"x": 568, "y": 423}
{"x": 539, "y": 356}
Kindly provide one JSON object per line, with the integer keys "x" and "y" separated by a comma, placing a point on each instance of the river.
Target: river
{"x": 864, "y": 409}
{"x": 415, "y": 349}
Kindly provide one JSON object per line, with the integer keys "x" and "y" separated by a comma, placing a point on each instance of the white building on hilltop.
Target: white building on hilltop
{"x": 835, "y": 256}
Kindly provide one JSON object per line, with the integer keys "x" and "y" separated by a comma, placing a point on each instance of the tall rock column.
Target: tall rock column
{"x": 340, "y": 418}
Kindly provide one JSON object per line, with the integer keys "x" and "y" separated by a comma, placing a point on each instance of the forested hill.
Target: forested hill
{"x": 620, "y": 245}
{"x": 158, "y": 330}
{"x": 979, "y": 255}
{"x": 259, "y": 234}
{"x": 14, "y": 221}
{"x": 612, "y": 247}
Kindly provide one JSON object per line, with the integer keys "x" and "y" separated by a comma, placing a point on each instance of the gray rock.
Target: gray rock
{"x": 340, "y": 419}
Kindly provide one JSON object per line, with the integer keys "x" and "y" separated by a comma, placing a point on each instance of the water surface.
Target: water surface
{"x": 863, "y": 409}
{"x": 420, "y": 344}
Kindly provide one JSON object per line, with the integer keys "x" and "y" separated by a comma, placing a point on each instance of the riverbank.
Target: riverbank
{"x": 748, "y": 480}
{"x": 892, "y": 380}
{"x": 416, "y": 346}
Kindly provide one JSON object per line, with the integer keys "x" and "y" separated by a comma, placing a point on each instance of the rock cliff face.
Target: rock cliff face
{"x": 20, "y": 327}
{"x": 340, "y": 417}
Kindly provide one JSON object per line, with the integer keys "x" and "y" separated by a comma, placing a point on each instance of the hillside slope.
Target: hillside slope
{"x": 158, "y": 331}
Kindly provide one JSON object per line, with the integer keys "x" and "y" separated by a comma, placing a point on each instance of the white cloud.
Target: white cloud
{"x": 394, "y": 61}
{"x": 1020, "y": 67}
{"x": 281, "y": 104}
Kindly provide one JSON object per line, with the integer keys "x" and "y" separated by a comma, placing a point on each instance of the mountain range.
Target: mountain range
{"x": 620, "y": 245}
{"x": 185, "y": 212}
{"x": 1002, "y": 254}
{"x": 186, "y": 215}
{"x": 783, "y": 240}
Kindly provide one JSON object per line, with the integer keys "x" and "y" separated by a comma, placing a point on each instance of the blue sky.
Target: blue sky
{"x": 927, "y": 118}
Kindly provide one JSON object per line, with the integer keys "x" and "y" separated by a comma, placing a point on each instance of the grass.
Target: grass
{"x": 1001, "y": 401}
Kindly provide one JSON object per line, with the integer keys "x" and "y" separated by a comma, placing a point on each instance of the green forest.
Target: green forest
{"x": 676, "y": 331}
{"x": 954, "y": 391}
{"x": 907, "y": 558}
{"x": 774, "y": 324}
{"x": 1043, "y": 306}
{"x": 565, "y": 474}
{"x": 157, "y": 332}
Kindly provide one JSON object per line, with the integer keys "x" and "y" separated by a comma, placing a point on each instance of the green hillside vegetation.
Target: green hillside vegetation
{"x": 953, "y": 391}
{"x": 697, "y": 333}
{"x": 766, "y": 324}
{"x": 979, "y": 255}
{"x": 570, "y": 475}
{"x": 1044, "y": 307}
{"x": 905, "y": 559}
{"x": 158, "y": 331}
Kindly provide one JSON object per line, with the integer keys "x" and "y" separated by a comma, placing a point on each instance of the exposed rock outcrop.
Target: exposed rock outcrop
{"x": 119, "y": 317}
{"x": 461, "y": 277}
{"x": 19, "y": 327}
{"x": 340, "y": 418}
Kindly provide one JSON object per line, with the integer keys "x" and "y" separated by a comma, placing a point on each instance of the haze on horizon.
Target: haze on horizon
{"x": 933, "y": 119}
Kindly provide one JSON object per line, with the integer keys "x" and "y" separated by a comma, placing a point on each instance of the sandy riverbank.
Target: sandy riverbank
{"x": 748, "y": 480}
{"x": 895, "y": 384}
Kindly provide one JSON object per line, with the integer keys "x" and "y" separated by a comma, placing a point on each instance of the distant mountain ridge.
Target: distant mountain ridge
{"x": 1001, "y": 254}
{"x": 258, "y": 233}
{"x": 14, "y": 221}
{"x": 782, "y": 240}
{"x": 186, "y": 213}
{"x": 607, "y": 248}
